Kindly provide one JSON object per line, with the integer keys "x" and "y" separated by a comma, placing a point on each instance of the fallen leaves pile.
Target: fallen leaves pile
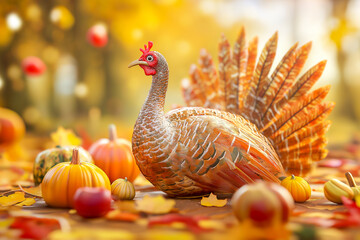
{"x": 23, "y": 213}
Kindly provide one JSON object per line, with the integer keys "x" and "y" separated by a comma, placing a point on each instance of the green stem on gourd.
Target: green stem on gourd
{"x": 292, "y": 177}
{"x": 75, "y": 157}
{"x": 126, "y": 179}
{"x": 112, "y": 132}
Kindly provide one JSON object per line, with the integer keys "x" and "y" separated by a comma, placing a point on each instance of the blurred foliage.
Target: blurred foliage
{"x": 87, "y": 88}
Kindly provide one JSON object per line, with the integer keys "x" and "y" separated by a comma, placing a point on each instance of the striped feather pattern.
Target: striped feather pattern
{"x": 279, "y": 104}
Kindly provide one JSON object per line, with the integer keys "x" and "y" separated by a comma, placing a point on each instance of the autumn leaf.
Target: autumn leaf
{"x": 155, "y": 205}
{"x": 163, "y": 234}
{"x": 12, "y": 199}
{"x": 34, "y": 227}
{"x": 117, "y": 215}
{"x": 65, "y": 137}
{"x": 247, "y": 230}
{"x": 87, "y": 233}
{"x": 212, "y": 201}
{"x": 33, "y": 191}
{"x": 26, "y": 202}
{"x": 191, "y": 222}
{"x": 126, "y": 206}
{"x": 16, "y": 199}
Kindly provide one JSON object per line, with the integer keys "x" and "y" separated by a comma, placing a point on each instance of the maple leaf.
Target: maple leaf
{"x": 353, "y": 214}
{"x": 65, "y": 137}
{"x": 212, "y": 201}
{"x": 155, "y": 205}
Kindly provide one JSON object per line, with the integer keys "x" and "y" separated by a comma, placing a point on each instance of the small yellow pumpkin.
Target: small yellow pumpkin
{"x": 297, "y": 186}
{"x": 123, "y": 189}
{"x": 61, "y": 182}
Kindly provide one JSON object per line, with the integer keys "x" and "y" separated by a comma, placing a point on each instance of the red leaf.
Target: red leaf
{"x": 35, "y": 228}
{"x": 332, "y": 163}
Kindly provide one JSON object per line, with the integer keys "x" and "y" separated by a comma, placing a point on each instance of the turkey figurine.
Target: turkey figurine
{"x": 250, "y": 126}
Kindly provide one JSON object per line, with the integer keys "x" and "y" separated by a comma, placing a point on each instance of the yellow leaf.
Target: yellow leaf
{"x": 211, "y": 224}
{"x": 5, "y": 223}
{"x": 212, "y": 201}
{"x": 65, "y": 137}
{"x": 166, "y": 234}
{"x": 26, "y": 202}
{"x": 12, "y": 199}
{"x": 33, "y": 191}
{"x": 126, "y": 206}
{"x": 86, "y": 233}
{"x": 357, "y": 200}
{"x": 155, "y": 205}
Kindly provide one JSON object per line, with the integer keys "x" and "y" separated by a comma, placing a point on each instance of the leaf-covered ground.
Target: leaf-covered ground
{"x": 151, "y": 216}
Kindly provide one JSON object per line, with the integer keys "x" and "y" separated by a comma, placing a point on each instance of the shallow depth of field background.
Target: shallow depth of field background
{"x": 86, "y": 88}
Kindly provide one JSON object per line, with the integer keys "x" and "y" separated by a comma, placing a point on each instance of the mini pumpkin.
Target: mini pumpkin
{"x": 299, "y": 189}
{"x": 114, "y": 156}
{"x": 122, "y": 189}
{"x": 12, "y": 127}
{"x": 50, "y": 157}
{"x": 61, "y": 182}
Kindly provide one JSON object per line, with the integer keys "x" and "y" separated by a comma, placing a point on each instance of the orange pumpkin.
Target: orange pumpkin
{"x": 114, "y": 156}
{"x": 299, "y": 189}
{"x": 61, "y": 182}
{"x": 12, "y": 127}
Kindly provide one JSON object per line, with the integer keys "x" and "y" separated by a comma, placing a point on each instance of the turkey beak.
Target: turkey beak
{"x": 137, "y": 62}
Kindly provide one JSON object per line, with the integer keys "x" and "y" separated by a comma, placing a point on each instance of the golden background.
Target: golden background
{"x": 86, "y": 88}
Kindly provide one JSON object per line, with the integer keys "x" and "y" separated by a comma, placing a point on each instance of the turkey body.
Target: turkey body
{"x": 200, "y": 150}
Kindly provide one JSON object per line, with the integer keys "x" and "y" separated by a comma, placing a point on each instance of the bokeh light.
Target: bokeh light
{"x": 13, "y": 21}
{"x": 1, "y": 83}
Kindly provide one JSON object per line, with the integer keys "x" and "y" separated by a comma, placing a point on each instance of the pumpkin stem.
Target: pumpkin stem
{"x": 350, "y": 179}
{"x": 75, "y": 157}
{"x": 292, "y": 176}
{"x": 112, "y": 132}
{"x": 126, "y": 179}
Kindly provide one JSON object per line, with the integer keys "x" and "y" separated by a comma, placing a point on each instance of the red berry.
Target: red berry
{"x": 92, "y": 202}
{"x": 33, "y": 66}
{"x": 97, "y": 35}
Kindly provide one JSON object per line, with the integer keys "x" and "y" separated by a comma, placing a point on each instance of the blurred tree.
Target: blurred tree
{"x": 345, "y": 105}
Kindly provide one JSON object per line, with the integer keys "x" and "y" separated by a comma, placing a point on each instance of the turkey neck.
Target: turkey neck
{"x": 152, "y": 112}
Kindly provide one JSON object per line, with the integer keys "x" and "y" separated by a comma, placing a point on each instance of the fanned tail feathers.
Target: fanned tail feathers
{"x": 283, "y": 108}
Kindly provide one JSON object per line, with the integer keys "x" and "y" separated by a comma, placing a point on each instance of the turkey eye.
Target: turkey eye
{"x": 150, "y": 58}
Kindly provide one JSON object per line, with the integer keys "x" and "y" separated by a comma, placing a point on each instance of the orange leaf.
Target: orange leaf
{"x": 212, "y": 201}
{"x": 117, "y": 215}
